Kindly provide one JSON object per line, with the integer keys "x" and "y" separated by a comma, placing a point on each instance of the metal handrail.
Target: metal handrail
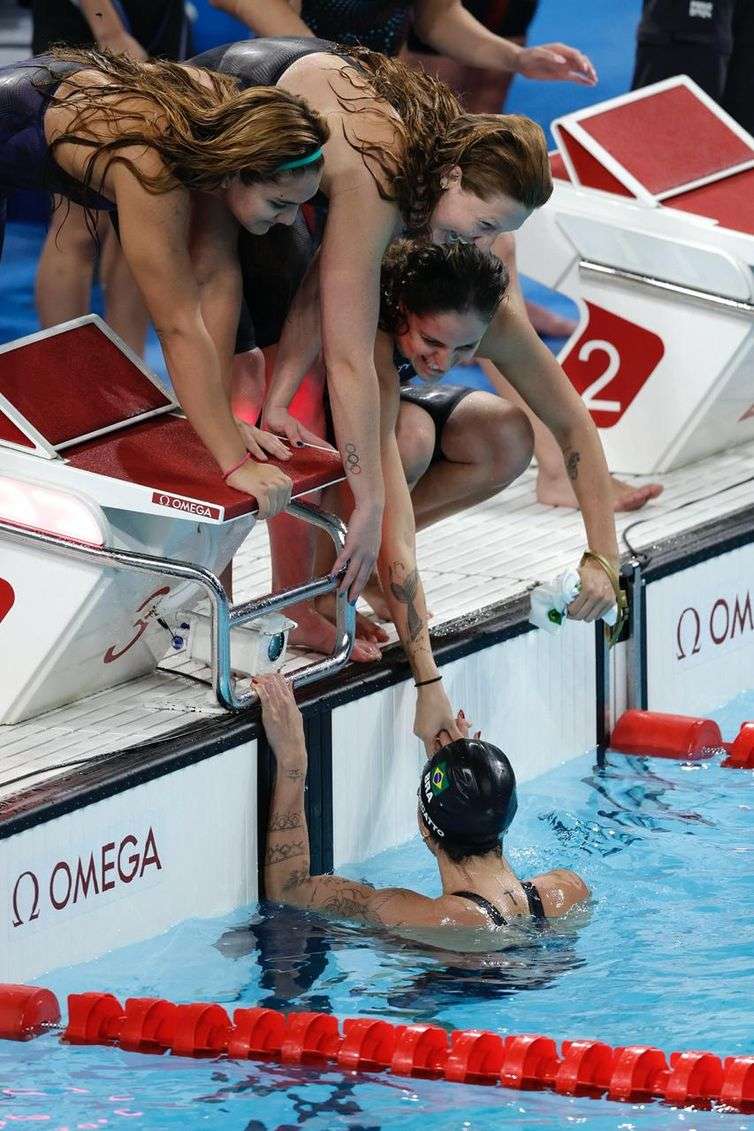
{"x": 226, "y": 616}
{"x": 707, "y": 298}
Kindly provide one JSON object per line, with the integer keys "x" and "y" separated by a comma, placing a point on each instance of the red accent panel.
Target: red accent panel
{"x": 610, "y": 362}
{"x": 9, "y": 431}
{"x": 165, "y": 454}
{"x": 558, "y": 167}
{"x": 591, "y": 172}
{"x": 667, "y": 139}
{"x": 74, "y": 383}
{"x": 730, "y": 202}
{"x": 7, "y": 598}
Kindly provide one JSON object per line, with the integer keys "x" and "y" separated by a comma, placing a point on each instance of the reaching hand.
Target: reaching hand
{"x": 459, "y": 729}
{"x": 555, "y": 62}
{"x": 282, "y": 719}
{"x": 596, "y": 595}
{"x": 277, "y": 419}
{"x": 361, "y": 549}
{"x": 262, "y": 444}
{"x": 434, "y": 715}
{"x": 270, "y": 486}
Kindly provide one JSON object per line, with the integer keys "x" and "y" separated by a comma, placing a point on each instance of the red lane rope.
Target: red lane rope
{"x": 471, "y": 1056}
{"x": 658, "y": 735}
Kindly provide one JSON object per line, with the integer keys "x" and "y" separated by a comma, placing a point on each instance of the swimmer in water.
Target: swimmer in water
{"x": 466, "y": 802}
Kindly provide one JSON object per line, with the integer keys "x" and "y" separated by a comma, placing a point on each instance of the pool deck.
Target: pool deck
{"x": 475, "y": 564}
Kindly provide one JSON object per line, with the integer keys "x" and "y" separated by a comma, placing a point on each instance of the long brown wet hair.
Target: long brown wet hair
{"x": 497, "y": 153}
{"x": 203, "y": 135}
{"x": 426, "y": 278}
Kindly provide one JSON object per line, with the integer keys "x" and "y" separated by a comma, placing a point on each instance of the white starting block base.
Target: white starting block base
{"x": 664, "y": 352}
{"x": 115, "y": 523}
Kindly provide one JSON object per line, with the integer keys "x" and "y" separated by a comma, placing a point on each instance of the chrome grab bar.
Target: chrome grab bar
{"x": 708, "y": 298}
{"x": 226, "y": 616}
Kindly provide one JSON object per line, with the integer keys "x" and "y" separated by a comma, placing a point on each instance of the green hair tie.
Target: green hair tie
{"x": 299, "y": 162}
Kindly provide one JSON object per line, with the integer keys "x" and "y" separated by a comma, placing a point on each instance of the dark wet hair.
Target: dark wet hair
{"x": 430, "y": 279}
{"x": 467, "y": 798}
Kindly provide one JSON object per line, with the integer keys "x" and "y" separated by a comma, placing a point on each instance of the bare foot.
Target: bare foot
{"x": 317, "y": 634}
{"x": 366, "y": 629}
{"x": 556, "y": 491}
{"x": 547, "y": 323}
{"x": 375, "y": 598}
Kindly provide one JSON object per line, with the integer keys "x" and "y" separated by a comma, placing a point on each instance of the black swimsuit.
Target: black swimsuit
{"x": 436, "y": 398}
{"x": 25, "y": 159}
{"x": 381, "y": 25}
{"x": 536, "y": 910}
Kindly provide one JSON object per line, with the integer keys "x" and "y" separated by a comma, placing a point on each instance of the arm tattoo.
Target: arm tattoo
{"x": 352, "y": 460}
{"x": 295, "y": 774}
{"x": 285, "y": 821}
{"x": 289, "y": 850}
{"x": 295, "y": 879}
{"x": 572, "y": 459}
{"x": 406, "y": 593}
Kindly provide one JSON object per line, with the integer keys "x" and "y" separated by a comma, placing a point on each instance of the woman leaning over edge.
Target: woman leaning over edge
{"x": 385, "y": 123}
{"x": 185, "y": 159}
{"x": 403, "y": 155}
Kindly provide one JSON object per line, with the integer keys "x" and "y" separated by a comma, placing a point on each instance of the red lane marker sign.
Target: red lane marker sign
{"x": 610, "y": 363}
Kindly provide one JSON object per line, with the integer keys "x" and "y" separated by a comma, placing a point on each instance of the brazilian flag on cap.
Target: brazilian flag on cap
{"x": 439, "y": 780}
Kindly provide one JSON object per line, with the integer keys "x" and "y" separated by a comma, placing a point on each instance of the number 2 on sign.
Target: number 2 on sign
{"x": 589, "y": 395}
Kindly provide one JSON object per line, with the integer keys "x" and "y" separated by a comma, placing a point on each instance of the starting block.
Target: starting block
{"x": 650, "y": 230}
{"x": 115, "y": 522}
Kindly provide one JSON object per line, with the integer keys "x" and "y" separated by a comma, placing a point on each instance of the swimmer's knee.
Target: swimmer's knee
{"x": 416, "y": 442}
{"x": 505, "y": 441}
{"x": 514, "y": 452}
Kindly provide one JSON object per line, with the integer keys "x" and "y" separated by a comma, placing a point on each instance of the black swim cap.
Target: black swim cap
{"x": 467, "y": 793}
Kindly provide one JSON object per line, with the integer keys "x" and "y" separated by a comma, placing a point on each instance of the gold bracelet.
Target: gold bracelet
{"x": 607, "y": 565}
{"x": 620, "y": 597}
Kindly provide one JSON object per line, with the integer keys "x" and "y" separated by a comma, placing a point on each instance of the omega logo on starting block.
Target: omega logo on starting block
{"x": 188, "y": 506}
{"x": 610, "y": 362}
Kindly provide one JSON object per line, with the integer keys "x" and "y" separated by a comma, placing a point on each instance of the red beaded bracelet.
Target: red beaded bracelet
{"x": 227, "y": 474}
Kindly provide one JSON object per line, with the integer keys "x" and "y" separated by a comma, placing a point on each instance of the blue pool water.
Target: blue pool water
{"x": 665, "y": 956}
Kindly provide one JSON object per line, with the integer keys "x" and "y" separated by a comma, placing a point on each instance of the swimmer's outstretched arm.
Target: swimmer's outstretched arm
{"x": 512, "y": 345}
{"x": 452, "y": 30}
{"x": 299, "y": 349}
{"x": 154, "y": 233}
{"x": 397, "y": 566}
{"x": 287, "y": 877}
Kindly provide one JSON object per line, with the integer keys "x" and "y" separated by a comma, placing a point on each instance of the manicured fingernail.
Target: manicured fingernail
{"x": 299, "y": 443}
{"x": 460, "y": 712}
{"x": 352, "y": 603}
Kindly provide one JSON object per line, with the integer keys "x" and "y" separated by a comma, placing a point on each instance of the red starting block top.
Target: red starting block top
{"x": 668, "y": 139}
{"x": 659, "y": 144}
{"x": 68, "y": 383}
{"x": 730, "y": 202}
{"x": 166, "y": 455}
{"x": 98, "y": 409}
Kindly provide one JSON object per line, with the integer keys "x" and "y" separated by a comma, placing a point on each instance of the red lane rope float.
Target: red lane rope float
{"x": 471, "y": 1056}
{"x": 658, "y": 735}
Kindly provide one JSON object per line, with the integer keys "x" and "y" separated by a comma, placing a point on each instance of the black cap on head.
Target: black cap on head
{"x": 467, "y": 793}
